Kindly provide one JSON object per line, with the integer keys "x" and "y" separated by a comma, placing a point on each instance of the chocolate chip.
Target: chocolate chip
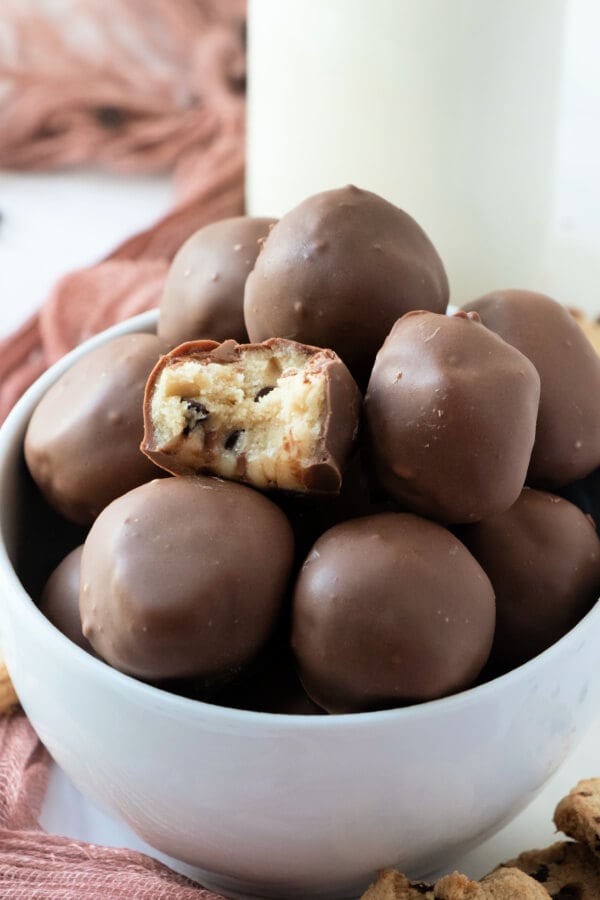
{"x": 195, "y": 413}
{"x": 198, "y": 408}
{"x": 542, "y": 874}
{"x": 263, "y": 392}
{"x": 420, "y": 887}
{"x": 233, "y": 439}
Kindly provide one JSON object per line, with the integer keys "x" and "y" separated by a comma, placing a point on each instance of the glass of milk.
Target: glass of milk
{"x": 480, "y": 118}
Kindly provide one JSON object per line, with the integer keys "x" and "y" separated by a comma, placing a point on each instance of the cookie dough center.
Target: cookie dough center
{"x": 259, "y": 417}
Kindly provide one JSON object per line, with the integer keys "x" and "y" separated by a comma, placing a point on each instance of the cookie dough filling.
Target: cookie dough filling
{"x": 254, "y": 413}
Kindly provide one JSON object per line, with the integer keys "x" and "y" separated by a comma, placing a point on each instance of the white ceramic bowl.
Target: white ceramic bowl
{"x": 287, "y": 806}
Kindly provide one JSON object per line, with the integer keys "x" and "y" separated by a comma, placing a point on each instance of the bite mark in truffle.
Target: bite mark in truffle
{"x": 276, "y": 415}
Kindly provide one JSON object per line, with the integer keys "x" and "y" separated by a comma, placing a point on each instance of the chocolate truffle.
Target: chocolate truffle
{"x": 184, "y": 578}
{"x": 338, "y": 270}
{"x": 389, "y": 609}
{"x": 450, "y": 416}
{"x": 275, "y": 415}
{"x": 543, "y": 559}
{"x": 82, "y": 443}
{"x": 203, "y": 295}
{"x": 60, "y": 599}
{"x": 567, "y": 442}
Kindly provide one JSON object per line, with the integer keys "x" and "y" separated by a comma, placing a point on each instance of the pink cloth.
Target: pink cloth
{"x": 38, "y": 866}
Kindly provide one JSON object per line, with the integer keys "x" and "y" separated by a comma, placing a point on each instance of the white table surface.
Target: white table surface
{"x": 52, "y": 224}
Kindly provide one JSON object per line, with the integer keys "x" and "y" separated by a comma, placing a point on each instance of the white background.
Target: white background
{"x": 52, "y": 224}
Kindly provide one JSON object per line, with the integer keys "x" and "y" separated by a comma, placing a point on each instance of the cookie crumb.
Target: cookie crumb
{"x": 578, "y": 814}
{"x": 568, "y": 869}
{"x": 502, "y": 884}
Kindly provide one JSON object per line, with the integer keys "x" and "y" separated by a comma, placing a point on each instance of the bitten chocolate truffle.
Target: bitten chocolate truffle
{"x": 275, "y": 415}
{"x": 338, "y": 270}
{"x": 82, "y": 445}
{"x": 184, "y": 577}
{"x": 567, "y": 443}
{"x": 60, "y": 599}
{"x": 450, "y": 416}
{"x": 543, "y": 559}
{"x": 203, "y": 295}
{"x": 389, "y": 609}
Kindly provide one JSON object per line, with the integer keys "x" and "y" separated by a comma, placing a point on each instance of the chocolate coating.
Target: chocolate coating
{"x": 567, "y": 443}
{"x": 543, "y": 559}
{"x": 275, "y": 415}
{"x": 184, "y": 577}
{"x": 450, "y": 416}
{"x": 82, "y": 443}
{"x": 338, "y": 270}
{"x": 389, "y": 609}
{"x": 203, "y": 295}
{"x": 60, "y": 599}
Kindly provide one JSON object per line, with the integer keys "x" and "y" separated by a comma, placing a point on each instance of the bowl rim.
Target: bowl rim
{"x": 11, "y": 430}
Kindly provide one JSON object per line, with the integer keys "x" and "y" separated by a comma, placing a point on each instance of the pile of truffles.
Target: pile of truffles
{"x": 345, "y": 498}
